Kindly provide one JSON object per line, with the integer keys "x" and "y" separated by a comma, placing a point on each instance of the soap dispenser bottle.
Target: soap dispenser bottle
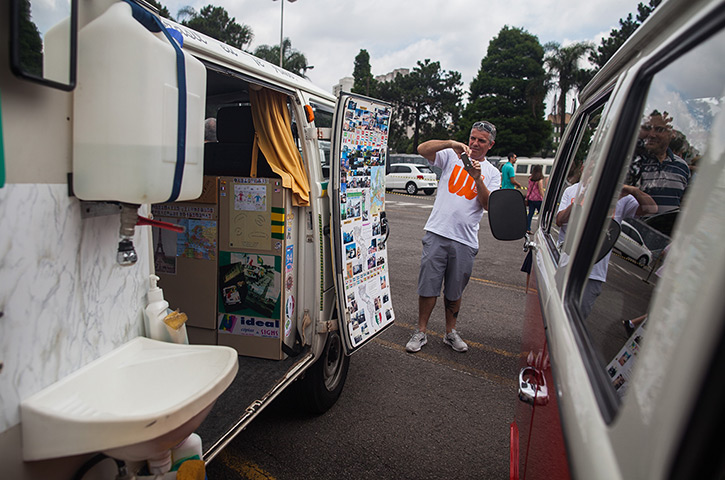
{"x": 155, "y": 312}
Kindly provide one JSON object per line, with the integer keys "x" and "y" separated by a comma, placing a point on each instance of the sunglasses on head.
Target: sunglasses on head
{"x": 485, "y": 126}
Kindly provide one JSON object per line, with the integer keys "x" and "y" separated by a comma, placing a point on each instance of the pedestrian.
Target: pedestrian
{"x": 508, "y": 173}
{"x": 450, "y": 243}
{"x": 535, "y": 193}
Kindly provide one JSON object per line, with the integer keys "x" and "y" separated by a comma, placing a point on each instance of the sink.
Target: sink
{"x": 133, "y": 403}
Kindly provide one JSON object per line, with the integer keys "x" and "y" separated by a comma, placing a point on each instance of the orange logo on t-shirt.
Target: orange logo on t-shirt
{"x": 462, "y": 184}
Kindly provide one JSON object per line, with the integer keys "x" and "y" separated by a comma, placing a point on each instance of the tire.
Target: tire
{"x": 323, "y": 382}
{"x": 642, "y": 261}
{"x": 411, "y": 188}
{"x": 429, "y": 191}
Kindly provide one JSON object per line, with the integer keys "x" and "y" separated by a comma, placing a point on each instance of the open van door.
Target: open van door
{"x": 359, "y": 228}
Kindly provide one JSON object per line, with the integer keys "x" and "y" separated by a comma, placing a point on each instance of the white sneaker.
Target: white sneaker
{"x": 454, "y": 340}
{"x": 416, "y": 342}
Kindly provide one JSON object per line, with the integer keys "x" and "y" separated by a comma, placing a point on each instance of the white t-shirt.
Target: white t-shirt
{"x": 456, "y": 210}
{"x": 626, "y": 207}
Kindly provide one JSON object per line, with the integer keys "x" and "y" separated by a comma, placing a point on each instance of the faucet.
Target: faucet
{"x": 126, "y": 254}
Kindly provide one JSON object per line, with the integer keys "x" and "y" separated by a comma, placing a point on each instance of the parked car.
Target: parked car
{"x": 411, "y": 178}
{"x": 631, "y": 244}
{"x": 600, "y": 397}
{"x": 394, "y": 158}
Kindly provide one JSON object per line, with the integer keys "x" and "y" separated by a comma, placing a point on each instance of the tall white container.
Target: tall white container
{"x": 126, "y": 114}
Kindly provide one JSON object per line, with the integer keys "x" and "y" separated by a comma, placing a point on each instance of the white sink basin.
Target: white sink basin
{"x": 133, "y": 403}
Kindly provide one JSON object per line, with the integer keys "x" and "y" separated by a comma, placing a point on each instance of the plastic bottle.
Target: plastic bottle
{"x": 126, "y": 113}
{"x": 155, "y": 312}
{"x": 189, "y": 449}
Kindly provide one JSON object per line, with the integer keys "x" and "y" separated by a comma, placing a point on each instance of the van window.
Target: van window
{"x": 522, "y": 169}
{"x": 577, "y": 147}
{"x": 672, "y": 137}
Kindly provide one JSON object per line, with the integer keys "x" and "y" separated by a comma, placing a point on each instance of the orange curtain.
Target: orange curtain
{"x": 274, "y": 129}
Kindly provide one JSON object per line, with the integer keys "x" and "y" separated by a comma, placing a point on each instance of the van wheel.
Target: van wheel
{"x": 323, "y": 382}
{"x": 411, "y": 188}
{"x": 642, "y": 261}
{"x": 429, "y": 191}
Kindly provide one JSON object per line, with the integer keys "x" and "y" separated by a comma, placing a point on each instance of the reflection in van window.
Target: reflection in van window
{"x": 672, "y": 137}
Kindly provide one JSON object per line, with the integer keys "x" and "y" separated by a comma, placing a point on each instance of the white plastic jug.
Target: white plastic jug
{"x": 126, "y": 114}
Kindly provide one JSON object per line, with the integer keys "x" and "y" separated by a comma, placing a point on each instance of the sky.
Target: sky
{"x": 399, "y": 33}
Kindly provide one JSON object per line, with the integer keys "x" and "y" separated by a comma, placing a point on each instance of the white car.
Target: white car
{"x": 631, "y": 244}
{"x": 411, "y": 178}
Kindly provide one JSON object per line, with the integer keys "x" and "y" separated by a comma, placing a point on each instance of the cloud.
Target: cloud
{"x": 398, "y": 34}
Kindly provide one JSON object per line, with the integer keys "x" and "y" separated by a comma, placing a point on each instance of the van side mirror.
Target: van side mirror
{"x": 507, "y": 214}
{"x": 610, "y": 238}
{"x": 43, "y": 42}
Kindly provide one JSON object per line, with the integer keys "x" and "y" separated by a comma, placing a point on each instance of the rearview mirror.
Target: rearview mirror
{"x": 43, "y": 38}
{"x": 507, "y": 214}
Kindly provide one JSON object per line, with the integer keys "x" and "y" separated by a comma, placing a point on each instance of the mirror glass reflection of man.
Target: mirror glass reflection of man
{"x": 656, "y": 170}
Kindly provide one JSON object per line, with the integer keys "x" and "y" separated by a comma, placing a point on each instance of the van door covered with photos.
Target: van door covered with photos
{"x": 359, "y": 228}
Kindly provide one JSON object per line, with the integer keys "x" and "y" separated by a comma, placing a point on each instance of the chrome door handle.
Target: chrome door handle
{"x": 532, "y": 387}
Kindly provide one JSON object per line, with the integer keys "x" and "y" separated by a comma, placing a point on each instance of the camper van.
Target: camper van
{"x": 621, "y": 373}
{"x": 187, "y": 232}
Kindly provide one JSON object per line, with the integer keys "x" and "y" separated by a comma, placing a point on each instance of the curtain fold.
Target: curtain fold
{"x": 274, "y": 129}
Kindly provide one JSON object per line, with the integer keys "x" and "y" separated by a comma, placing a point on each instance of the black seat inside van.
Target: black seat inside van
{"x": 231, "y": 155}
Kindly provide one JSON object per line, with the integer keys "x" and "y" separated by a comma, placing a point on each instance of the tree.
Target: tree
{"x": 509, "y": 91}
{"x": 427, "y": 100}
{"x": 30, "y": 45}
{"x": 293, "y": 60}
{"x": 563, "y": 63}
{"x": 215, "y": 22}
{"x": 617, "y": 37}
{"x": 163, "y": 11}
{"x": 364, "y": 82}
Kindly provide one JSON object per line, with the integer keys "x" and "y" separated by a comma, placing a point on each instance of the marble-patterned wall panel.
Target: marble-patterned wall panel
{"x": 65, "y": 301}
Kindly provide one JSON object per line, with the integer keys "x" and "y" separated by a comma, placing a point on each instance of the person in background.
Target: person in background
{"x": 535, "y": 193}
{"x": 450, "y": 243}
{"x": 508, "y": 173}
{"x": 632, "y": 202}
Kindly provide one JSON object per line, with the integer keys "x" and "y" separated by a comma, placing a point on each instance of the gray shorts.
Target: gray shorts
{"x": 444, "y": 259}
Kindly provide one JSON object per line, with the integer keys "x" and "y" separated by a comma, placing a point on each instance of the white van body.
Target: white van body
{"x": 65, "y": 300}
{"x": 600, "y": 398}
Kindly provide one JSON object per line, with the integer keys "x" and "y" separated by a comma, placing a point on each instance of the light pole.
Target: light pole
{"x": 281, "y": 28}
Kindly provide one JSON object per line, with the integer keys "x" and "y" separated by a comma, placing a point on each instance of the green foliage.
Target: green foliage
{"x": 428, "y": 100}
{"x": 30, "y": 45}
{"x": 563, "y": 63}
{"x": 618, "y": 36}
{"x": 364, "y": 82}
{"x": 215, "y": 22}
{"x": 509, "y": 91}
{"x": 163, "y": 11}
{"x": 292, "y": 60}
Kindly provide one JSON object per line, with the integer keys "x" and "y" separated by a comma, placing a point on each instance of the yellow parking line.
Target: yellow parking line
{"x": 506, "y": 286}
{"x": 506, "y": 382}
{"x": 246, "y": 469}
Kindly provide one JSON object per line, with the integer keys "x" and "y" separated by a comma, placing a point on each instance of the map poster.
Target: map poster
{"x": 362, "y": 156}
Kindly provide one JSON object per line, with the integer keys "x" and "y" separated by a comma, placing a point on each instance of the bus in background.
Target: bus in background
{"x": 524, "y": 165}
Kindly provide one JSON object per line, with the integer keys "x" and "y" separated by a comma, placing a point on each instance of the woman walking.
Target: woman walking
{"x": 535, "y": 194}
